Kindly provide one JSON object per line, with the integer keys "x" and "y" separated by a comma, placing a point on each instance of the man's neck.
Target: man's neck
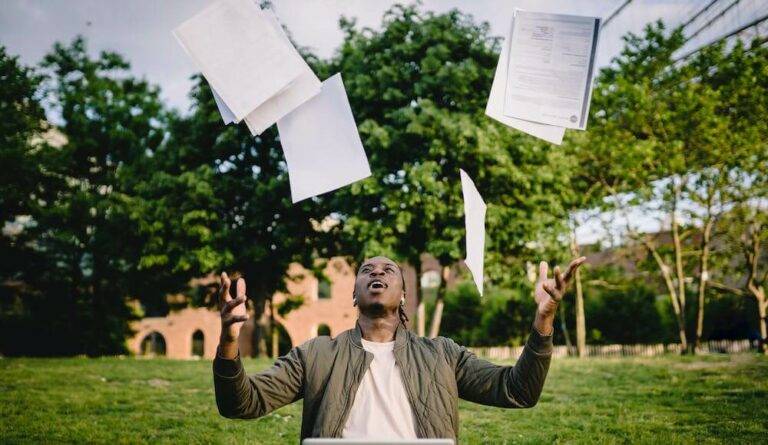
{"x": 379, "y": 329}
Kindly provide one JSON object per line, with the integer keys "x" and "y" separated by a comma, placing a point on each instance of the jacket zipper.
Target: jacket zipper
{"x": 352, "y": 394}
{"x": 406, "y": 383}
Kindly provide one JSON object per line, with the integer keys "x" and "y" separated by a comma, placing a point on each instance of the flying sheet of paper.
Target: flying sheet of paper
{"x": 226, "y": 114}
{"x": 240, "y": 54}
{"x": 551, "y": 61}
{"x": 495, "y": 107}
{"x": 474, "y": 220}
{"x": 321, "y": 144}
{"x": 306, "y": 86}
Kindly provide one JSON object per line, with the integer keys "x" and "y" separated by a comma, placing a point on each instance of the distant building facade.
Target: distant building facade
{"x": 326, "y": 310}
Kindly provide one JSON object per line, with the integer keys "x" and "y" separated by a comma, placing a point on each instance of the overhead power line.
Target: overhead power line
{"x": 713, "y": 20}
{"x": 698, "y": 14}
{"x": 720, "y": 39}
{"x": 615, "y": 13}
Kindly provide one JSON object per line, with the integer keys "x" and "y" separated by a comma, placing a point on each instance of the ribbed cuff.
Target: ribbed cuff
{"x": 228, "y": 368}
{"x": 540, "y": 344}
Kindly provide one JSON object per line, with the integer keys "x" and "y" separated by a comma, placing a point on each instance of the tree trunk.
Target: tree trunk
{"x": 275, "y": 343}
{"x": 261, "y": 328}
{"x": 421, "y": 321}
{"x": 437, "y": 316}
{"x": 703, "y": 277}
{"x": 581, "y": 324}
{"x": 678, "y": 249}
{"x": 752, "y": 253}
{"x": 762, "y": 308}
{"x": 676, "y": 307}
{"x": 564, "y": 328}
{"x": 420, "y": 311}
{"x": 273, "y": 324}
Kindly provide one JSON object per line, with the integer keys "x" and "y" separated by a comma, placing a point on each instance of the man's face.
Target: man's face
{"x": 379, "y": 284}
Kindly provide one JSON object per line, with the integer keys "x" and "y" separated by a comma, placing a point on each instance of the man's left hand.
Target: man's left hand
{"x": 549, "y": 292}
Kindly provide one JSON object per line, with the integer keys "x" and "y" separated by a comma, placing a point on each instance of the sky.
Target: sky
{"x": 141, "y": 31}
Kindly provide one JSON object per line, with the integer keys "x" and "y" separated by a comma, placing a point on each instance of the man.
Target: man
{"x": 380, "y": 380}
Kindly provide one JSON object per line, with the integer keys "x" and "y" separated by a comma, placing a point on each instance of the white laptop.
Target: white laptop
{"x": 320, "y": 441}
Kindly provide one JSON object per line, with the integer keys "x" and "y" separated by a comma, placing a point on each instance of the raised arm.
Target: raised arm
{"x": 245, "y": 397}
{"x": 517, "y": 386}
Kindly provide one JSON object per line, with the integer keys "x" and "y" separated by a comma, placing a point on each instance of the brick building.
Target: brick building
{"x": 326, "y": 309}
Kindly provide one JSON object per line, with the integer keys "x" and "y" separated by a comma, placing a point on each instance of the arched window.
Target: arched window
{"x": 323, "y": 288}
{"x": 198, "y": 343}
{"x": 323, "y": 329}
{"x": 153, "y": 344}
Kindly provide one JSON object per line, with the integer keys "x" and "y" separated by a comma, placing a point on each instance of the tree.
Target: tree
{"x": 258, "y": 230}
{"x": 665, "y": 135}
{"x": 22, "y": 185}
{"x": 107, "y": 225}
{"x": 418, "y": 88}
{"x": 81, "y": 275}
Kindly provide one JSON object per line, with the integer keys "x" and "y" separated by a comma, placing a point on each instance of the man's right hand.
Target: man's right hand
{"x": 233, "y": 314}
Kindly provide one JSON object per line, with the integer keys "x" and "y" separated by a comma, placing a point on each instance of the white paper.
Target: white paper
{"x": 551, "y": 62}
{"x": 474, "y": 220}
{"x": 226, "y": 114}
{"x": 495, "y": 107}
{"x": 306, "y": 86}
{"x": 240, "y": 54}
{"x": 321, "y": 144}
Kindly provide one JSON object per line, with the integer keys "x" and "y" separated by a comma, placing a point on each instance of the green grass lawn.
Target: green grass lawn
{"x": 666, "y": 400}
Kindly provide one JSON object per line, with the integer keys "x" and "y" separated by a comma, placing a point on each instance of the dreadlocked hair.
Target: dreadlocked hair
{"x": 401, "y": 307}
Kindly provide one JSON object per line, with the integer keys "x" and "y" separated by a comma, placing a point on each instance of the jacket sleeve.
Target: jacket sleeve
{"x": 517, "y": 386}
{"x": 239, "y": 396}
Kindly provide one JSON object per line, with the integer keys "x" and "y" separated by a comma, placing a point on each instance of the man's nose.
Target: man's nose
{"x": 376, "y": 272}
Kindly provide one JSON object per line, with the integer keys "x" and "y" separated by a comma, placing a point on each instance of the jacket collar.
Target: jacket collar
{"x": 401, "y": 336}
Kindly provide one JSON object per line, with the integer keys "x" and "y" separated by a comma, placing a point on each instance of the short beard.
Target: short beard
{"x": 375, "y": 310}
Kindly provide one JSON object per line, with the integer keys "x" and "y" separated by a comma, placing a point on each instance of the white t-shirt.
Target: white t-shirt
{"x": 381, "y": 409}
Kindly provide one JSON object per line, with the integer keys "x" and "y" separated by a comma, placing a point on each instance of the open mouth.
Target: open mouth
{"x": 377, "y": 284}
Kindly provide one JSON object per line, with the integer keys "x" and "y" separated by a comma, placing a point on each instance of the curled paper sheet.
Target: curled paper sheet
{"x": 305, "y": 87}
{"x": 474, "y": 220}
{"x": 240, "y": 54}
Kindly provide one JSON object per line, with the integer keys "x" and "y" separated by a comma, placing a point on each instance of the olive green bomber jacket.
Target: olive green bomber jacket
{"x": 326, "y": 372}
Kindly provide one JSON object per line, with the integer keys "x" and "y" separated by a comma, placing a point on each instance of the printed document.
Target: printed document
{"x": 551, "y": 63}
{"x": 495, "y": 107}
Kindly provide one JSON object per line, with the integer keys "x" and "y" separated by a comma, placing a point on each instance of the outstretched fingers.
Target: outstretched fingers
{"x": 232, "y": 319}
{"x": 543, "y": 270}
{"x": 552, "y": 291}
{"x": 231, "y": 304}
{"x": 240, "y": 288}
{"x": 572, "y": 268}
{"x": 559, "y": 281}
{"x": 224, "y": 289}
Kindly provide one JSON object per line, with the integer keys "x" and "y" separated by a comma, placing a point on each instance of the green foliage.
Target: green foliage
{"x": 289, "y": 304}
{"x": 22, "y": 121}
{"x": 111, "y": 224}
{"x": 418, "y": 89}
{"x": 254, "y": 226}
{"x": 630, "y": 315}
{"x": 500, "y": 317}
